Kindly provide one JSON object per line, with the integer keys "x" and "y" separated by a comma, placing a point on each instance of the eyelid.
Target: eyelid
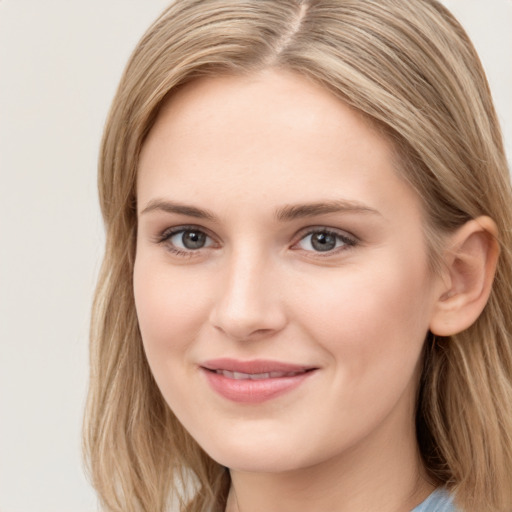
{"x": 348, "y": 239}
{"x": 164, "y": 238}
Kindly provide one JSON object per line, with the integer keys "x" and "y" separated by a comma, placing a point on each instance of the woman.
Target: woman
{"x": 305, "y": 302}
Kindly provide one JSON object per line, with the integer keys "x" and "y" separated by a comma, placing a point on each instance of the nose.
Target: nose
{"x": 249, "y": 302}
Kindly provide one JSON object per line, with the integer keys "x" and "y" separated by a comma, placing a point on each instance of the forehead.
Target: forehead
{"x": 274, "y": 134}
{"x": 273, "y": 105}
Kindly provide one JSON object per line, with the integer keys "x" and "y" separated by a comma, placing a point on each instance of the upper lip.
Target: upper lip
{"x": 255, "y": 366}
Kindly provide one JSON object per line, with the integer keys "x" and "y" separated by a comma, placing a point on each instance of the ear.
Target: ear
{"x": 470, "y": 263}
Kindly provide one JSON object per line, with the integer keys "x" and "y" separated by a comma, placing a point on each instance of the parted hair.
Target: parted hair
{"x": 410, "y": 68}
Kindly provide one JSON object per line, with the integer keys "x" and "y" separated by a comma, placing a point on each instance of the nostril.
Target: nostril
{"x": 247, "y": 305}
{"x": 241, "y": 333}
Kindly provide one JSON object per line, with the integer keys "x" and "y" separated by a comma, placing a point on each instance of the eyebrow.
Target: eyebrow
{"x": 182, "y": 209}
{"x": 283, "y": 214}
{"x": 291, "y": 212}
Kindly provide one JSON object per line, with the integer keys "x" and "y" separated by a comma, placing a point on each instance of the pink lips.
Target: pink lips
{"x": 254, "y": 381}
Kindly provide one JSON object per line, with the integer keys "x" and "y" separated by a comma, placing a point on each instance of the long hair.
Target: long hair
{"x": 410, "y": 68}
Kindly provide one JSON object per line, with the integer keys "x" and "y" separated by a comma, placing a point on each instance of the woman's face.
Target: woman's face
{"x": 281, "y": 277}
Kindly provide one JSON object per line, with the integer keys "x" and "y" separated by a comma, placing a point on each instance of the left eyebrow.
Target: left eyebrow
{"x": 298, "y": 211}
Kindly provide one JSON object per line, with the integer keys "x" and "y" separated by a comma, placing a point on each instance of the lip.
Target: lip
{"x": 255, "y": 381}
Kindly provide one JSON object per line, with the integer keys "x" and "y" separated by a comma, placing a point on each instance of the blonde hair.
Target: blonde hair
{"x": 410, "y": 68}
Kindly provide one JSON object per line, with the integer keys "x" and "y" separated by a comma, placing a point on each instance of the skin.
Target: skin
{"x": 244, "y": 148}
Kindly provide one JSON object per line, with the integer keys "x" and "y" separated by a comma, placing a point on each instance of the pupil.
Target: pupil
{"x": 193, "y": 239}
{"x": 323, "y": 241}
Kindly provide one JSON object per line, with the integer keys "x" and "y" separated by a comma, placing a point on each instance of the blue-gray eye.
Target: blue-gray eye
{"x": 324, "y": 241}
{"x": 190, "y": 239}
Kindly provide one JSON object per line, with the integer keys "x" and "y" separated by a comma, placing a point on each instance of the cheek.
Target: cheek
{"x": 371, "y": 321}
{"x": 171, "y": 307}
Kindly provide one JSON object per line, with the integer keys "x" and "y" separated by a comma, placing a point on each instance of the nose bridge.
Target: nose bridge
{"x": 248, "y": 302}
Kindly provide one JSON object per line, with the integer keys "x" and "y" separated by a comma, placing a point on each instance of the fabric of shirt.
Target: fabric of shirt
{"x": 439, "y": 501}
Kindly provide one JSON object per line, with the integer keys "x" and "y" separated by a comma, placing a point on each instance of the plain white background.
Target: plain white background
{"x": 60, "y": 61}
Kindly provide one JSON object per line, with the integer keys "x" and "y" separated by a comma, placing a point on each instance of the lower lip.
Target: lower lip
{"x": 254, "y": 391}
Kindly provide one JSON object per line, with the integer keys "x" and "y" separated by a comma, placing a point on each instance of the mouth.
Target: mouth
{"x": 256, "y": 376}
{"x": 253, "y": 382}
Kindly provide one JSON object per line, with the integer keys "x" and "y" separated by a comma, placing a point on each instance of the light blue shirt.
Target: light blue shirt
{"x": 438, "y": 501}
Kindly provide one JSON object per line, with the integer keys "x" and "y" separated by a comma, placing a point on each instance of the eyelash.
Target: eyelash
{"x": 165, "y": 236}
{"x": 347, "y": 240}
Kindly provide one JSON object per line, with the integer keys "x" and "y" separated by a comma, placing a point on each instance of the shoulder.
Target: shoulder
{"x": 439, "y": 501}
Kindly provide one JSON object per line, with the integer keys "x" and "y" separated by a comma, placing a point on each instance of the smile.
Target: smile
{"x": 253, "y": 382}
{"x": 256, "y": 376}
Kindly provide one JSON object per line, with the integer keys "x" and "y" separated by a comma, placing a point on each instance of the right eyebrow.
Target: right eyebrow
{"x": 182, "y": 209}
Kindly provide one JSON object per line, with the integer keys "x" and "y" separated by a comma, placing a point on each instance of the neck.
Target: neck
{"x": 383, "y": 472}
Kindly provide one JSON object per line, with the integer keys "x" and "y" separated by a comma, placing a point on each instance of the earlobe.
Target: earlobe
{"x": 470, "y": 262}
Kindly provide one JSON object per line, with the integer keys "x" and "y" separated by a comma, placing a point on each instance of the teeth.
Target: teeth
{"x": 258, "y": 376}
{"x": 255, "y": 376}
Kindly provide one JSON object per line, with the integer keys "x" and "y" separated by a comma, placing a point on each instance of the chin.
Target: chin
{"x": 259, "y": 454}
{"x": 254, "y": 461}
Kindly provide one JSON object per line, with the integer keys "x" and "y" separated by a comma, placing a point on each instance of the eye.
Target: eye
{"x": 186, "y": 240}
{"x": 325, "y": 240}
{"x": 189, "y": 239}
